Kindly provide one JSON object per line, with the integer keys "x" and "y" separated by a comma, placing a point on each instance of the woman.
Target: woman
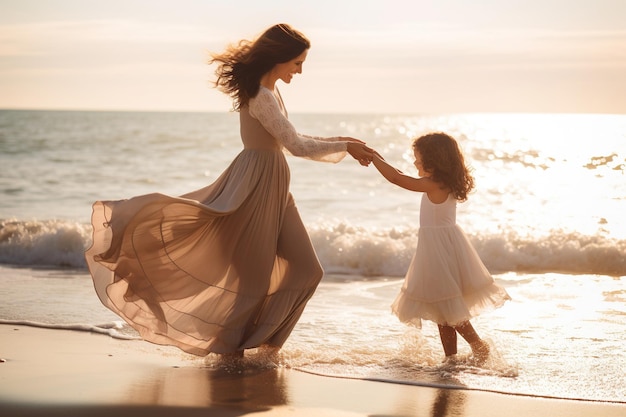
{"x": 228, "y": 267}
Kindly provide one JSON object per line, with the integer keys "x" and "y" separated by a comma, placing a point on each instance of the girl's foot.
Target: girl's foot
{"x": 480, "y": 350}
{"x": 451, "y": 360}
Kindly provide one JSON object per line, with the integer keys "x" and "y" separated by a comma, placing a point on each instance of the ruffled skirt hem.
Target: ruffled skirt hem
{"x": 452, "y": 311}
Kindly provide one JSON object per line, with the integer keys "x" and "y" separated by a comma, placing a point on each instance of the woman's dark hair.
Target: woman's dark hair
{"x": 442, "y": 158}
{"x": 242, "y": 65}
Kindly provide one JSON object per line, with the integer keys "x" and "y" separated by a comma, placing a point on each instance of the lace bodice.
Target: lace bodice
{"x": 268, "y": 110}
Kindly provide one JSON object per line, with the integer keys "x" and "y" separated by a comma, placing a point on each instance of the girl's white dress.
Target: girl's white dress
{"x": 446, "y": 282}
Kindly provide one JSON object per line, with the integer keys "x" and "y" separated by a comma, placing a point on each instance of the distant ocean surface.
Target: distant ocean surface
{"x": 547, "y": 218}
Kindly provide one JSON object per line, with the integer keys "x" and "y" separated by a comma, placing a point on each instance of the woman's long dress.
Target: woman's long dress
{"x": 446, "y": 282}
{"x": 224, "y": 268}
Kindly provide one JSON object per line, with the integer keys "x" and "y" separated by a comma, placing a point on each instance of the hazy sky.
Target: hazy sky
{"x": 413, "y": 56}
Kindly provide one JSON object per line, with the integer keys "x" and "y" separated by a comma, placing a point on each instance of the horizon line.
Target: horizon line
{"x": 311, "y": 112}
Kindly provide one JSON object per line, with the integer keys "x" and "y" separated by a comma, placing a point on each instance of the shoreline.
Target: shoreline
{"x": 64, "y": 372}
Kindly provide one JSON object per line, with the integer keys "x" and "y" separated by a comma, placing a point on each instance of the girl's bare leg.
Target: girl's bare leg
{"x": 448, "y": 339}
{"x": 480, "y": 348}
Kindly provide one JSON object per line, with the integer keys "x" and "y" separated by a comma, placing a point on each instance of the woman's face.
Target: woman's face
{"x": 286, "y": 70}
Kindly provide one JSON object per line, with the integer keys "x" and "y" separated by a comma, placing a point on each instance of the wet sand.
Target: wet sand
{"x": 70, "y": 373}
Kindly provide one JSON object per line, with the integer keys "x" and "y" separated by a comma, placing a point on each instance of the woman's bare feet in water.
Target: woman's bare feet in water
{"x": 270, "y": 352}
{"x": 480, "y": 351}
{"x": 232, "y": 355}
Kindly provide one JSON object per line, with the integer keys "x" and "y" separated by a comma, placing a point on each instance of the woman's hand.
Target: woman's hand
{"x": 349, "y": 139}
{"x": 361, "y": 152}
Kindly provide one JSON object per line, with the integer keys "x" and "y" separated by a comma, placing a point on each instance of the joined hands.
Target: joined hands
{"x": 360, "y": 151}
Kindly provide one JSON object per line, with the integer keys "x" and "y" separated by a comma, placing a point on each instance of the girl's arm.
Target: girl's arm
{"x": 400, "y": 179}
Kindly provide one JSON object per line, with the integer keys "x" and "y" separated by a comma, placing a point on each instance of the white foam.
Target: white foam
{"x": 352, "y": 250}
{"x": 43, "y": 242}
{"x": 113, "y": 329}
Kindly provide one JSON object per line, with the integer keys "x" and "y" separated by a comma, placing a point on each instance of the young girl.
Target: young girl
{"x": 446, "y": 282}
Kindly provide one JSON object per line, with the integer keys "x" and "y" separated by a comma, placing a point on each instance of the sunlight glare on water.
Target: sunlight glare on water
{"x": 541, "y": 341}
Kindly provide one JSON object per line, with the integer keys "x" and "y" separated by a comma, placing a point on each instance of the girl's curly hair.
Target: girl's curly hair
{"x": 442, "y": 158}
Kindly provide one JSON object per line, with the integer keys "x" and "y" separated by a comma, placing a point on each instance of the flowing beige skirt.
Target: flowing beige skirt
{"x": 221, "y": 269}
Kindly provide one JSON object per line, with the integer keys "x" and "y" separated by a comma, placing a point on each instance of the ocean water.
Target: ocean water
{"x": 547, "y": 218}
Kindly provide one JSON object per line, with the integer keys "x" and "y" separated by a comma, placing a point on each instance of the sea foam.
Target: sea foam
{"x": 351, "y": 250}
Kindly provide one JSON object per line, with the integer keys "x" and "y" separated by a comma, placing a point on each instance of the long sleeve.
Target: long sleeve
{"x": 264, "y": 107}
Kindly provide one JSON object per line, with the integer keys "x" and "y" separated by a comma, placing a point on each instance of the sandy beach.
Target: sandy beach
{"x": 63, "y": 372}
